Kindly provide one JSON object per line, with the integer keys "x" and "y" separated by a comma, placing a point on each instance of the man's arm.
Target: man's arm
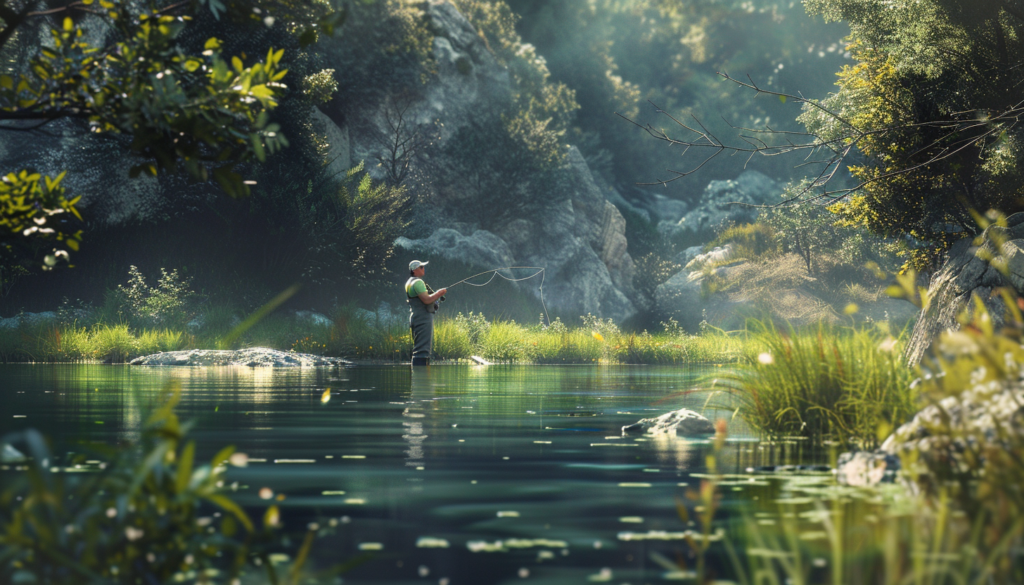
{"x": 430, "y": 299}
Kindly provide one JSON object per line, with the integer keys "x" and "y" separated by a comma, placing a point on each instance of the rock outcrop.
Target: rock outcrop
{"x": 680, "y": 422}
{"x": 733, "y": 201}
{"x": 944, "y": 440}
{"x": 971, "y": 270}
{"x": 253, "y": 357}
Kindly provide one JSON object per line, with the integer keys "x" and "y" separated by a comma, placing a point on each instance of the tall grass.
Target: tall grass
{"x": 362, "y": 335}
{"x": 825, "y": 383}
{"x": 507, "y": 342}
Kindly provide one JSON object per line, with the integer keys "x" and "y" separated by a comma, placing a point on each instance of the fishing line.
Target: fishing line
{"x": 497, "y": 272}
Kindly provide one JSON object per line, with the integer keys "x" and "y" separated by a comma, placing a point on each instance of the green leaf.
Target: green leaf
{"x": 782, "y": 98}
{"x": 229, "y": 505}
{"x": 222, "y": 456}
{"x": 185, "y": 467}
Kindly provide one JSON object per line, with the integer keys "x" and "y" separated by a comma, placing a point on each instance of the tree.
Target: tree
{"x": 179, "y": 106}
{"x": 925, "y": 122}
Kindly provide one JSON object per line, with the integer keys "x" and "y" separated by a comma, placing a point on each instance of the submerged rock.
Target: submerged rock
{"x": 680, "y": 422}
{"x": 252, "y": 357}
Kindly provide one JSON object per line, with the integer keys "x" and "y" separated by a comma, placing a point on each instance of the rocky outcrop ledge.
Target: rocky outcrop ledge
{"x": 253, "y": 357}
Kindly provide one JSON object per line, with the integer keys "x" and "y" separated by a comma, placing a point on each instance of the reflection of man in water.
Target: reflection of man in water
{"x": 421, "y": 391}
{"x": 422, "y": 306}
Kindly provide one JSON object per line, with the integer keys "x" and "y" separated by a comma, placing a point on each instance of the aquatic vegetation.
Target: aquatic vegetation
{"x": 826, "y": 383}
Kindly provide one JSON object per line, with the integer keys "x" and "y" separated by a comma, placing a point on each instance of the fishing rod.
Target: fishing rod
{"x": 494, "y": 272}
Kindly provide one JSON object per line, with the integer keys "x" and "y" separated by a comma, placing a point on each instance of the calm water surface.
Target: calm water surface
{"x": 450, "y": 474}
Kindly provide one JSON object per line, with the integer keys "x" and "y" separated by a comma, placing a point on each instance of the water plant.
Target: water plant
{"x": 825, "y": 383}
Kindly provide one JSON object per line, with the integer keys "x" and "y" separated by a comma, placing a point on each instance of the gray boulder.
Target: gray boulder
{"x": 680, "y": 298}
{"x": 384, "y": 317}
{"x": 252, "y": 357}
{"x": 724, "y": 202}
{"x": 9, "y": 454}
{"x": 680, "y": 422}
{"x": 967, "y": 273}
{"x": 313, "y": 318}
{"x": 482, "y": 248}
{"x": 986, "y": 416}
{"x": 867, "y": 468}
{"x": 28, "y": 320}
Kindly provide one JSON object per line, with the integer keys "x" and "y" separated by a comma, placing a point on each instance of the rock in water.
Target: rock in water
{"x": 680, "y": 422}
{"x": 866, "y": 468}
{"x": 9, "y": 454}
{"x": 252, "y": 357}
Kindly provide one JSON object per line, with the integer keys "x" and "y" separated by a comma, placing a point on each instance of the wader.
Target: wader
{"x": 421, "y": 321}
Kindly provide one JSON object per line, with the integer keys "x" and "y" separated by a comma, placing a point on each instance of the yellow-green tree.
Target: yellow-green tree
{"x": 930, "y": 108}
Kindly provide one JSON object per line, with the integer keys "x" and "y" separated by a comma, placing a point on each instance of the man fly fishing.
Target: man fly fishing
{"x": 423, "y": 303}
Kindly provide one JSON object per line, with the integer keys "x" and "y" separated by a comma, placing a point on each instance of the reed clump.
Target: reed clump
{"x": 825, "y": 383}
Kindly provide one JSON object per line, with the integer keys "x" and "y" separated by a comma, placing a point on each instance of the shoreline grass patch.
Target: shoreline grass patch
{"x": 824, "y": 383}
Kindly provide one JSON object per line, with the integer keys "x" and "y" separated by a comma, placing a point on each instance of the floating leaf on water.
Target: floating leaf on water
{"x": 326, "y": 396}
{"x": 484, "y": 546}
{"x": 431, "y": 542}
{"x": 631, "y": 520}
{"x": 534, "y": 542}
{"x": 508, "y": 514}
{"x": 371, "y": 546}
{"x": 332, "y": 493}
{"x": 719, "y": 534}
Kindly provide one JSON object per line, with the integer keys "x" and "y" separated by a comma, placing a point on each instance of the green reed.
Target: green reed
{"x": 825, "y": 383}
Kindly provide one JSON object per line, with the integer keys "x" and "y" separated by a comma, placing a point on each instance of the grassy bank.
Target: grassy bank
{"x": 361, "y": 335}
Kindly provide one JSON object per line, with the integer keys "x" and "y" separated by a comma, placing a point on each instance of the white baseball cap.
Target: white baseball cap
{"x": 416, "y": 264}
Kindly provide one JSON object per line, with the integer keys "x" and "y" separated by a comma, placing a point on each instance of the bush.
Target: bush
{"x": 749, "y": 241}
{"x": 169, "y": 303}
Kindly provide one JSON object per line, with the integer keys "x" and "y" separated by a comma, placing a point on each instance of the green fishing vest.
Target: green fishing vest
{"x": 414, "y": 300}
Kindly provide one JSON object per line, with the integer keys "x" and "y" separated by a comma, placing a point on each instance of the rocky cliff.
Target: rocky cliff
{"x": 563, "y": 223}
